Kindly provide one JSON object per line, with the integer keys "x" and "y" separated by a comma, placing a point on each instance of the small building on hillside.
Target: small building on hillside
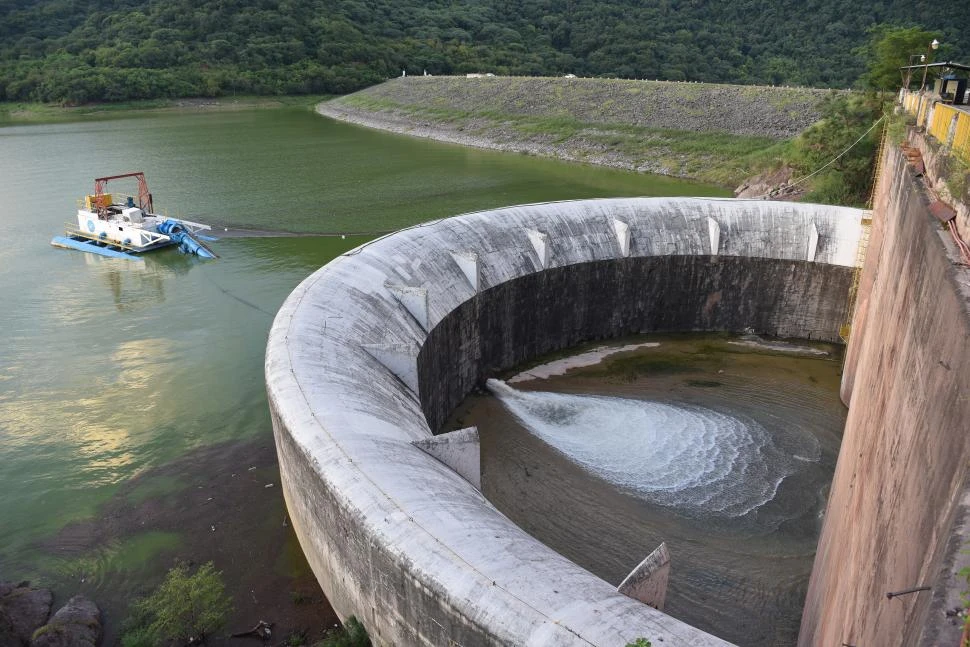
{"x": 948, "y": 79}
{"x": 952, "y": 89}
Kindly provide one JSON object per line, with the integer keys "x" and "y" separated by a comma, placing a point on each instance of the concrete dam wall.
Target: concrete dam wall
{"x": 369, "y": 355}
{"x": 899, "y": 493}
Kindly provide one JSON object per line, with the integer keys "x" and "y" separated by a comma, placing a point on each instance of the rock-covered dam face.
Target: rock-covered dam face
{"x": 369, "y": 355}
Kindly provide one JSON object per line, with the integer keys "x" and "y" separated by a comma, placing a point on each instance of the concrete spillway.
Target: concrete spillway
{"x": 369, "y": 355}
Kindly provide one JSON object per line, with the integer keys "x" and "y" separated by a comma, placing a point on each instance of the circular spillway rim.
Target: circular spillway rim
{"x": 386, "y": 527}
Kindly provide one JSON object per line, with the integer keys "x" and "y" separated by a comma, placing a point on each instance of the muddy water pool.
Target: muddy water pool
{"x": 721, "y": 446}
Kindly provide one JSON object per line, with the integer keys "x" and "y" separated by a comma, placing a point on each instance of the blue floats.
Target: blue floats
{"x": 85, "y": 245}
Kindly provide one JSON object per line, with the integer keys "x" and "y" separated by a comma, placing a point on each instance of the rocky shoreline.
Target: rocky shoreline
{"x": 218, "y": 503}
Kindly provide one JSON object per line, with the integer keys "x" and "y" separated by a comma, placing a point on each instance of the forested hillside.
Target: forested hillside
{"x": 76, "y": 51}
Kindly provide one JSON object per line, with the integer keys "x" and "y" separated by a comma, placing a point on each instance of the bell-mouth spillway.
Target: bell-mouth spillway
{"x": 370, "y": 354}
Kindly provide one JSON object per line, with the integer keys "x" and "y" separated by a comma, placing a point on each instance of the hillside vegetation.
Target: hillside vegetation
{"x": 75, "y": 51}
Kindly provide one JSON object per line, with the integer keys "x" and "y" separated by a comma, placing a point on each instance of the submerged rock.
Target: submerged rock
{"x": 22, "y": 610}
{"x": 76, "y": 624}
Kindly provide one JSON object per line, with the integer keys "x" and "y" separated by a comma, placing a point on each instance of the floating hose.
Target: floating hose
{"x": 186, "y": 243}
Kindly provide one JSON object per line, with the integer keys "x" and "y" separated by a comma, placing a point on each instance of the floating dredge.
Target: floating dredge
{"x": 114, "y": 225}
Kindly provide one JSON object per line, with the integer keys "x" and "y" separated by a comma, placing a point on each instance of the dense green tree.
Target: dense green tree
{"x": 127, "y": 49}
{"x": 841, "y": 148}
{"x": 891, "y": 48}
{"x": 185, "y": 608}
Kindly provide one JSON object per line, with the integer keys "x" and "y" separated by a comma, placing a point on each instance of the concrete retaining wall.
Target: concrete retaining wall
{"x": 903, "y": 465}
{"x": 548, "y": 311}
{"x": 386, "y": 339}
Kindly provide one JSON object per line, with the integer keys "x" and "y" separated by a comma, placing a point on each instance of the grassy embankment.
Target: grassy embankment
{"x": 13, "y": 113}
{"x": 715, "y": 133}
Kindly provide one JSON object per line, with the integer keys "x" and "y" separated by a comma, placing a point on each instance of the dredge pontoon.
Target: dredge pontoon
{"x": 118, "y": 227}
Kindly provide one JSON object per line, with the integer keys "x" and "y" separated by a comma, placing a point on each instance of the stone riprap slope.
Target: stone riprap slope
{"x": 758, "y": 111}
{"x": 693, "y": 130}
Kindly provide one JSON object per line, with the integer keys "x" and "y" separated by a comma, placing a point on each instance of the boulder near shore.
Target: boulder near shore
{"x": 22, "y": 611}
{"x": 25, "y": 619}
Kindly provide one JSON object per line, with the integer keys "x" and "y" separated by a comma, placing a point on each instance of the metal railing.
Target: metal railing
{"x": 952, "y": 128}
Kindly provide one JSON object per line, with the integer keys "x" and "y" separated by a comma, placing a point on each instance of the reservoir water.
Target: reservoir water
{"x": 128, "y": 391}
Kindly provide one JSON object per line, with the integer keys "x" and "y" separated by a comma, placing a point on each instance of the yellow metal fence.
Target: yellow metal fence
{"x": 948, "y": 124}
{"x": 952, "y": 127}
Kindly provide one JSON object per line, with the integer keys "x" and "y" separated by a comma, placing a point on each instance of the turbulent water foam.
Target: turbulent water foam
{"x": 681, "y": 456}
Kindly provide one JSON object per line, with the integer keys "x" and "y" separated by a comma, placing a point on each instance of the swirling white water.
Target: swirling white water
{"x": 682, "y": 456}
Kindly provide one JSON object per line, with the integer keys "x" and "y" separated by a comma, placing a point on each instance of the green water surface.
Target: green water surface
{"x": 109, "y": 368}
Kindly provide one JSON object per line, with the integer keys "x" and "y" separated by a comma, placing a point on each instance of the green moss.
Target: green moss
{"x": 45, "y": 629}
{"x": 155, "y": 488}
{"x": 131, "y": 555}
{"x": 957, "y": 177}
{"x": 633, "y": 367}
{"x": 704, "y": 384}
{"x": 291, "y": 561}
{"x": 898, "y": 126}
